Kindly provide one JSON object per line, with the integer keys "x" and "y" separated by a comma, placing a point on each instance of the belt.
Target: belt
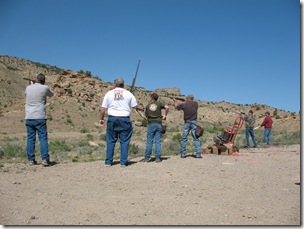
{"x": 118, "y": 116}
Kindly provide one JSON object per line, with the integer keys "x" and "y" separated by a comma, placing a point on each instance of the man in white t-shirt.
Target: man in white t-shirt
{"x": 118, "y": 103}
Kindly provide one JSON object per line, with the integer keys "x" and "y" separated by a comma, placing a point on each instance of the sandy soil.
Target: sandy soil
{"x": 258, "y": 187}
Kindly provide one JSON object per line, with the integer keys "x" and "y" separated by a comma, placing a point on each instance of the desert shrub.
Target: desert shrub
{"x": 177, "y": 137}
{"x": 285, "y": 138}
{"x": 69, "y": 91}
{"x": 58, "y": 146}
{"x": 213, "y": 129}
{"x": 88, "y": 73}
{"x": 75, "y": 159}
{"x": 90, "y": 137}
{"x": 170, "y": 147}
{"x": 69, "y": 121}
{"x": 12, "y": 147}
{"x": 84, "y": 150}
{"x": 84, "y": 130}
{"x": 102, "y": 137}
{"x": 173, "y": 129}
{"x": 133, "y": 149}
{"x": 81, "y": 143}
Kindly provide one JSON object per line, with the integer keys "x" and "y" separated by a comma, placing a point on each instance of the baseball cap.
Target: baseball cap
{"x": 119, "y": 81}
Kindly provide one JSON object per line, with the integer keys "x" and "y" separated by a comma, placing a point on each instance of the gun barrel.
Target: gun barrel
{"x": 173, "y": 97}
{"x": 181, "y": 99}
{"x": 30, "y": 80}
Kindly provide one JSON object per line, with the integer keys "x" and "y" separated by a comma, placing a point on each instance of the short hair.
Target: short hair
{"x": 154, "y": 96}
{"x": 190, "y": 96}
{"x": 250, "y": 111}
{"x": 41, "y": 78}
{"x": 267, "y": 112}
{"x": 119, "y": 82}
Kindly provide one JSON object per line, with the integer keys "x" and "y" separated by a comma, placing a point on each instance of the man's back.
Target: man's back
{"x": 35, "y": 107}
{"x": 190, "y": 109}
{"x": 119, "y": 102}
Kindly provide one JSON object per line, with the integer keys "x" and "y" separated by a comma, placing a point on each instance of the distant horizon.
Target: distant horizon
{"x": 129, "y": 84}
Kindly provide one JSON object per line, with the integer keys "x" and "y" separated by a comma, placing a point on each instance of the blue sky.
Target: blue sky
{"x": 238, "y": 51}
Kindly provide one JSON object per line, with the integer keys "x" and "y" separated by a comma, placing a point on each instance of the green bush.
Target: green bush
{"x": 102, "y": 137}
{"x": 177, "y": 137}
{"x": 69, "y": 121}
{"x": 171, "y": 147}
{"x": 69, "y": 91}
{"x": 12, "y": 147}
{"x": 133, "y": 149}
{"x": 84, "y": 150}
{"x": 84, "y": 130}
{"x": 90, "y": 137}
{"x": 58, "y": 146}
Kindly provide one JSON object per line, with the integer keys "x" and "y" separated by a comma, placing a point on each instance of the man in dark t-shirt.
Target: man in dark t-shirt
{"x": 154, "y": 130}
{"x": 190, "y": 108}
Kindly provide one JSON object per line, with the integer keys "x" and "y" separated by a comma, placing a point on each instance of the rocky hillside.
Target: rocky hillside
{"x": 74, "y": 108}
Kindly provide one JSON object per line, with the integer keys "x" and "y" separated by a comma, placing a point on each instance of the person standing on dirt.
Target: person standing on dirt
{"x": 190, "y": 108}
{"x": 267, "y": 123}
{"x": 118, "y": 103}
{"x": 154, "y": 116}
{"x": 249, "y": 125}
{"x": 35, "y": 119}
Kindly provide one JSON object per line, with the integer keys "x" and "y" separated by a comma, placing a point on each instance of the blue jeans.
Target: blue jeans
{"x": 153, "y": 133}
{"x": 190, "y": 128}
{"x": 118, "y": 128}
{"x": 33, "y": 126}
{"x": 267, "y": 137}
{"x": 250, "y": 132}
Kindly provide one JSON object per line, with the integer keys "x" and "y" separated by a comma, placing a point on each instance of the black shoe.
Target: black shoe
{"x": 158, "y": 159}
{"x": 32, "y": 162}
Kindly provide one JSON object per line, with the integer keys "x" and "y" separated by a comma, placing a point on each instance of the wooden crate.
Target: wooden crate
{"x": 225, "y": 149}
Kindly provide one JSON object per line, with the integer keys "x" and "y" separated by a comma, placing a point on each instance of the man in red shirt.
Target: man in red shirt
{"x": 267, "y": 123}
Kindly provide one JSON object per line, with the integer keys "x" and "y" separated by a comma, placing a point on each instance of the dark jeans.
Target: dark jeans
{"x": 190, "y": 128}
{"x": 118, "y": 128}
{"x": 267, "y": 135}
{"x": 33, "y": 126}
{"x": 153, "y": 133}
{"x": 250, "y": 132}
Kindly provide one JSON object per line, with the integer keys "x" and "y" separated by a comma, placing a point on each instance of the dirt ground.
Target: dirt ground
{"x": 258, "y": 187}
